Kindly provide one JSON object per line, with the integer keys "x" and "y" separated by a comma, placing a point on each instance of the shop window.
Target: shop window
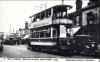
{"x": 91, "y": 18}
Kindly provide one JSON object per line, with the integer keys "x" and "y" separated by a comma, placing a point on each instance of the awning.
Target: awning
{"x": 73, "y": 30}
{"x": 26, "y": 36}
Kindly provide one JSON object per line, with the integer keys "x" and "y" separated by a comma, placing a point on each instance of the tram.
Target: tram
{"x": 50, "y": 30}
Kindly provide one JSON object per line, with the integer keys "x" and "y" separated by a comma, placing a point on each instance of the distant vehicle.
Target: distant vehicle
{"x": 12, "y": 41}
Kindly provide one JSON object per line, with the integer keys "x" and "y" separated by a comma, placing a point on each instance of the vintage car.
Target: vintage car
{"x": 86, "y": 45}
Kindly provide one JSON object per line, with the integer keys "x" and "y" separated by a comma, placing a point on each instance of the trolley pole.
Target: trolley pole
{"x": 62, "y": 2}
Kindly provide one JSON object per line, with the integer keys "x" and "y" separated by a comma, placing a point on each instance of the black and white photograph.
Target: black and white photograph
{"x": 50, "y": 29}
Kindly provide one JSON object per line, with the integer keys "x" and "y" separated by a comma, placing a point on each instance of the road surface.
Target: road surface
{"x": 21, "y": 51}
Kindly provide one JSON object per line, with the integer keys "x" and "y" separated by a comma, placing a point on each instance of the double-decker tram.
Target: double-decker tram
{"x": 50, "y": 30}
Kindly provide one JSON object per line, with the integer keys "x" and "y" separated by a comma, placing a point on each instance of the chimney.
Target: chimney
{"x": 78, "y": 4}
{"x": 26, "y": 25}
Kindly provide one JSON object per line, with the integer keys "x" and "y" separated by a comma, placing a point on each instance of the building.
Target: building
{"x": 24, "y": 31}
{"x": 88, "y": 18}
{"x": 27, "y": 31}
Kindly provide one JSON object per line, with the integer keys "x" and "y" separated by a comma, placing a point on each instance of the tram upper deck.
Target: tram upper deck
{"x": 54, "y": 15}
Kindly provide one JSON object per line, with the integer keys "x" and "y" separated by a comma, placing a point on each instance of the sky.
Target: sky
{"x": 14, "y": 14}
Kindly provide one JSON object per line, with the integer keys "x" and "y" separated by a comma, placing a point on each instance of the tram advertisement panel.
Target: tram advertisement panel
{"x": 41, "y": 23}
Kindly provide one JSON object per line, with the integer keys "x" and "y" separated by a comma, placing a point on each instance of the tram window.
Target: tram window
{"x": 54, "y": 33}
{"x": 38, "y": 19}
{"x": 49, "y": 12}
{"x": 42, "y": 34}
{"x": 64, "y": 14}
{"x": 42, "y": 15}
{"x": 59, "y": 14}
{"x": 37, "y": 35}
{"x": 48, "y": 33}
{"x": 33, "y": 35}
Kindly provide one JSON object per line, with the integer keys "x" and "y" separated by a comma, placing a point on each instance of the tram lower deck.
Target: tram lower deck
{"x": 53, "y": 37}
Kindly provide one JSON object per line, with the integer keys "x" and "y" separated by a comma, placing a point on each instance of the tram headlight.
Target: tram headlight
{"x": 93, "y": 45}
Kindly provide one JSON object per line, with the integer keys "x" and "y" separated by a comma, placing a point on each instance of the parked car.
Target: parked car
{"x": 12, "y": 41}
